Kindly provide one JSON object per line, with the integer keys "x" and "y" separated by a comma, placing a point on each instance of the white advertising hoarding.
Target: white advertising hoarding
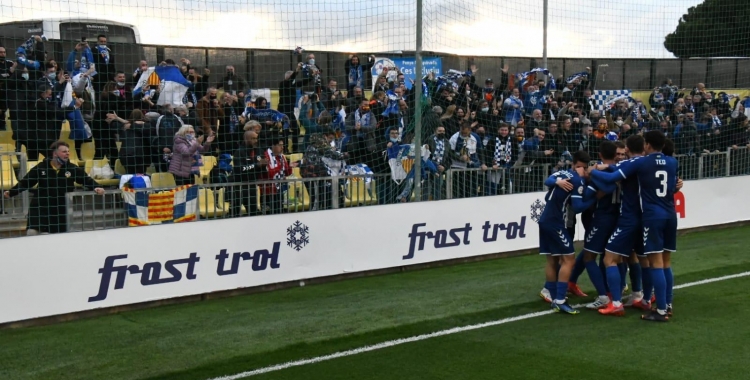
{"x": 58, "y": 274}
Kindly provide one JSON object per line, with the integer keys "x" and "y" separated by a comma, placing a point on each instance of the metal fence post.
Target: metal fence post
{"x": 335, "y": 193}
{"x": 700, "y": 167}
{"x": 449, "y": 184}
{"x": 729, "y": 166}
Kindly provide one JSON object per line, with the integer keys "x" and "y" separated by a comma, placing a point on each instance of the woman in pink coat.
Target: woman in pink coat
{"x": 186, "y": 146}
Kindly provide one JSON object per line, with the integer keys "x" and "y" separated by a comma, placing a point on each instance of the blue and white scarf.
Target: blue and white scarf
{"x": 392, "y": 108}
{"x": 104, "y": 52}
{"x": 234, "y": 121}
{"x": 87, "y": 58}
{"x": 716, "y": 122}
{"x": 362, "y": 119}
{"x": 437, "y": 156}
{"x": 582, "y": 74}
{"x": 356, "y": 76}
{"x": 523, "y": 78}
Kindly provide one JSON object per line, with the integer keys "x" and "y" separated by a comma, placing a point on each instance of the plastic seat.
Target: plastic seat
{"x": 89, "y": 166}
{"x": 87, "y": 151}
{"x": 7, "y": 174}
{"x": 160, "y": 180}
{"x": 10, "y": 148}
{"x": 356, "y": 193}
{"x": 208, "y": 163}
{"x": 6, "y": 137}
{"x": 208, "y": 205}
{"x": 299, "y": 199}
{"x": 119, "y": 169}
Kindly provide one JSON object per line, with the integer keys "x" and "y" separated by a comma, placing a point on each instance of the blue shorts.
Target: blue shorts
{"x": 596, "y": 238}
{"x": 659, "y": 235}
{"x": 626, "y": 238}
{"x": 555, "y": 240}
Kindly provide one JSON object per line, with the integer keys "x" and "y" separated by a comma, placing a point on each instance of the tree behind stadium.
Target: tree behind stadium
{"x": 714, "y": 28}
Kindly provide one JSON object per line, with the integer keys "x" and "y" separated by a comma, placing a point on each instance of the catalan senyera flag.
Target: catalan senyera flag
{"x": 173, "y": 206}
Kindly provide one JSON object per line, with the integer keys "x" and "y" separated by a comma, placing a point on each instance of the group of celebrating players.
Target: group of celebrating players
{"x": 633, "y": 226}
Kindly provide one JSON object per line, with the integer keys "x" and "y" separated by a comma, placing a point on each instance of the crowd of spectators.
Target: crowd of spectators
{"x": 470, "y": 123}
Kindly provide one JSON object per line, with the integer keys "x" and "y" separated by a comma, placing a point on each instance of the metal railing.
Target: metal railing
{"x": 87, "y": 211}
{"x": 13, "y": 167}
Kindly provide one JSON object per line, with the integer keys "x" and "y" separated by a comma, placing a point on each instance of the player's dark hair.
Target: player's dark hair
{"x": 656, "y": 139}
{"x": 608, "y": 150}
{"x": 581, "y": 156}
{"x": 635, "y": 144}
{"x": 668, "y": 149}
{"x": 620, "y": 145}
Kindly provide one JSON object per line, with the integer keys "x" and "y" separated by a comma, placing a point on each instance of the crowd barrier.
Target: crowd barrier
{"x": 58, "y": 274}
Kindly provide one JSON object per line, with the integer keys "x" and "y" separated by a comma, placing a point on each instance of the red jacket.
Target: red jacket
{"x": 278, "y": 168}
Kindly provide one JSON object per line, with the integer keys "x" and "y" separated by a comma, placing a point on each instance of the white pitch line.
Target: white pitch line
{"x": 455, "y": 330}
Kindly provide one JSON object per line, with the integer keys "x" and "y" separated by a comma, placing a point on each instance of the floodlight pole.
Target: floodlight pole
{"x": 544, "y": 28}
{"x": 418, "y": 109}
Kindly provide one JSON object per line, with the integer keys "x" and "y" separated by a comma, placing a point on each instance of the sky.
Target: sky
{"x": 576, "y": 28}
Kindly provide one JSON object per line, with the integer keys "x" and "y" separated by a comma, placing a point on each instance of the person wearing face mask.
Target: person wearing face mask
{"x": 440, "y": 155}
{"x": 116, "y": 98}
{"x": 104, "y": 61}
{"x": 185, "y": 147}
{"x": 53, "y": 178}
{"x": 209, "y": 110}
{"x": 361, "y": 125}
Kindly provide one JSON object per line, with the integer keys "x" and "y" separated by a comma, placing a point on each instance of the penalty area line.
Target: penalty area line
{"x": 417, "y": 338}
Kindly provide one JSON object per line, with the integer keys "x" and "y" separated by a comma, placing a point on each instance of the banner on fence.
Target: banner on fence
{"x": 172, "y": 206}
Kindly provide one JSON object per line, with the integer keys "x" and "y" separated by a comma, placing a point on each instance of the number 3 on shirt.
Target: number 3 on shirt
{"x": 662, "y": 192}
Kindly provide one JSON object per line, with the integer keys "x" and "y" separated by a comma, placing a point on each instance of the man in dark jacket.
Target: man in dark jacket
{"x": 248, "y": 164}
{"x": 440, "y": 155}
{"x": 162, "y": 139}
{"x": 232, "y": 83}
{"x": 48, "y": 118}
{"x": 104, "y": 62}
{"x": 54, "y": 178}
{"x": 288, "y": 97}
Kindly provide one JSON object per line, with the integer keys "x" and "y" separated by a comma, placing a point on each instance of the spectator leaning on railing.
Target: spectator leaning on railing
{"x": 53, "y": 178}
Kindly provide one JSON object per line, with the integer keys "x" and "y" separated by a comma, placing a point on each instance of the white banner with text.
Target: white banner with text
{"x": 58, "y": 274}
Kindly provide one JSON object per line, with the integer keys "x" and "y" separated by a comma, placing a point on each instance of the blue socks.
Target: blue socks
{"x": 603, "y": 269}
{"x": 550, "y": 286}
{"x": 660, "y": 287}
{"x": 562, "y": 290}
{"x": 623, "y": 267}
{"x": 648, "y": 283}
{"x": 578, "y": 268}
{"x": 635, "y": 277}
{"x": 669, "y": 277}
{"x": 613, "y": 279}
{"x": 595, "y": 274}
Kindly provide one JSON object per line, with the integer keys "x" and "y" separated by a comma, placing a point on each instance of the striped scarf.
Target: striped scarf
{"x": 502, "y": 151}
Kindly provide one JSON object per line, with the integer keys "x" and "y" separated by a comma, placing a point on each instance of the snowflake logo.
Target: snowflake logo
{"x": 536, "y": 210}
{"x": 297, "y": 236}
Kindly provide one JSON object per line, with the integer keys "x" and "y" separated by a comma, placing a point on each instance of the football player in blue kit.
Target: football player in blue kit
{"x": 554, "y": 240}
{"x": 604, "y": 221}
{"x": 655, "y": 176}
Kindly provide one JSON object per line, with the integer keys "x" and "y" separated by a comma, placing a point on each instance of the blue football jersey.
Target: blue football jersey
{"x": 555, "y": 210}
{"x": 609, "y": 204}
{"x": 657, "y": 182}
